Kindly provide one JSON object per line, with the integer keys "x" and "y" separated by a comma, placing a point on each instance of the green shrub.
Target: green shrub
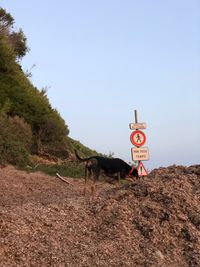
{"x": 22, "y": 131}
{"x": 69, "y": 169}
{"x": 14, "y": 153}
{"x": 82, "y": 150}
{"x": 15, "y": 140}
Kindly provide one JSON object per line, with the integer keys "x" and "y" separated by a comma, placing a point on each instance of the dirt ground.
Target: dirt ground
{"x": 153, "y": 221}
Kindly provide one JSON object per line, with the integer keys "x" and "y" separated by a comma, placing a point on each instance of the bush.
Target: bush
{"x": 15, "y": 140}
{"x": 70, "y": 169}
{"x": 82, "y": 150}
{"x": 22, "y": 131}
{"x": 14, "y": 153}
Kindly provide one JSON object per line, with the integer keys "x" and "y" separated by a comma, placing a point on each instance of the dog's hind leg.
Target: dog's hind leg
{"x": 93, "y": 186}
{"x": 87, "y": 175}
{"x": 93, "y": 182}
{"x": 118, "y": 178}
{"x": 89, "y": 171}
{"x": 95, "y": 176}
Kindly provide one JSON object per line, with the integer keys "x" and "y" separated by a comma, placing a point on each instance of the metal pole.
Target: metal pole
{"x": 136, "y": 121}
{"x": 136, "y": 117}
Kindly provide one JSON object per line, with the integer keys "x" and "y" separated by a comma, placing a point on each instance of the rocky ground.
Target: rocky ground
{"x": 153, "y": 221}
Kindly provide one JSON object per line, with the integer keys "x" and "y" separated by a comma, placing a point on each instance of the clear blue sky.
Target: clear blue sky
{"x": 102, "y": 59}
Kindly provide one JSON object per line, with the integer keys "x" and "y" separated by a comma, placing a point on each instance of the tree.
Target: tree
{"x": 16, "y": 39}
{"x": 7, "y": 56}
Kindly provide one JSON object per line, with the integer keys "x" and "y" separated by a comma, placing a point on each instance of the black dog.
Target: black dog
{"x": 110, "y": 166}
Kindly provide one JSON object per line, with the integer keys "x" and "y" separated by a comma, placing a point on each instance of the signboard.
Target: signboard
{"x": 135, "y": 126}
{"x": 140, "y": 153}
{"x": 138, "y": 138}
{"x": 141, "y": 170}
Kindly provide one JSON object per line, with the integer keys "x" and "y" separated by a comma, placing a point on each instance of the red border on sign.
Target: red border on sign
{"x": 132, "y": 138}
{"x": 142, "y": 165}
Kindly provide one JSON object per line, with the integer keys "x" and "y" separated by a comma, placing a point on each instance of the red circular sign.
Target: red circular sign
{"x": 138, "y": 138}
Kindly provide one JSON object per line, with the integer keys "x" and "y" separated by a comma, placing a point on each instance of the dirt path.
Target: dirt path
{"x": 155, "y": 221}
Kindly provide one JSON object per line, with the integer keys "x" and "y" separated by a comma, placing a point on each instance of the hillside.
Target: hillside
{"x": 28, "y": 122}
{"x": 154, "y": 221}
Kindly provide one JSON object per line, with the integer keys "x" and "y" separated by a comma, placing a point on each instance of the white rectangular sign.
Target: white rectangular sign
{"x": 140, "y": 153}
{"x": 134, "y": 126}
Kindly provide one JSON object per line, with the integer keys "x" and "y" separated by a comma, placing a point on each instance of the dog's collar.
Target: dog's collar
{"x": 131, "y": 170}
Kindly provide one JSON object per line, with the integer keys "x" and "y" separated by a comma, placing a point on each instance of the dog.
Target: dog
{"x": 110, "y": 166}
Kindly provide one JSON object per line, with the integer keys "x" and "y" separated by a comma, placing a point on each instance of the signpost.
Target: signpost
{"x": 141, "y": 169}
{"x": 135, "y": 126}
{"x": 138, "y": 139}
{"x": 140, "y": 153}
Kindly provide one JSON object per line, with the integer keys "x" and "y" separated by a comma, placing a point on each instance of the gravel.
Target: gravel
{"x": 152, "y": 221}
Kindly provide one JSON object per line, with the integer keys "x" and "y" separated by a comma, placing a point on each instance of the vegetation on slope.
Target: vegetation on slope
{"x": 28, "y": 122}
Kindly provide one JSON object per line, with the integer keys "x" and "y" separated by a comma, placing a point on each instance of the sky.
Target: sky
{"x": 102, "y": 59}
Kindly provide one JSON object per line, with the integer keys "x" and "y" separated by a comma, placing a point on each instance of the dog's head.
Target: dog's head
{"x": 133, "y": 173}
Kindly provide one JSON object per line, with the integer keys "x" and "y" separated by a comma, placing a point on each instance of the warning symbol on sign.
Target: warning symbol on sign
{"x": 141, "y": 169}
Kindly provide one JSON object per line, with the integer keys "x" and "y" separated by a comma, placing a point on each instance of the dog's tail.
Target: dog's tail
{"x": 79, "y": 158}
